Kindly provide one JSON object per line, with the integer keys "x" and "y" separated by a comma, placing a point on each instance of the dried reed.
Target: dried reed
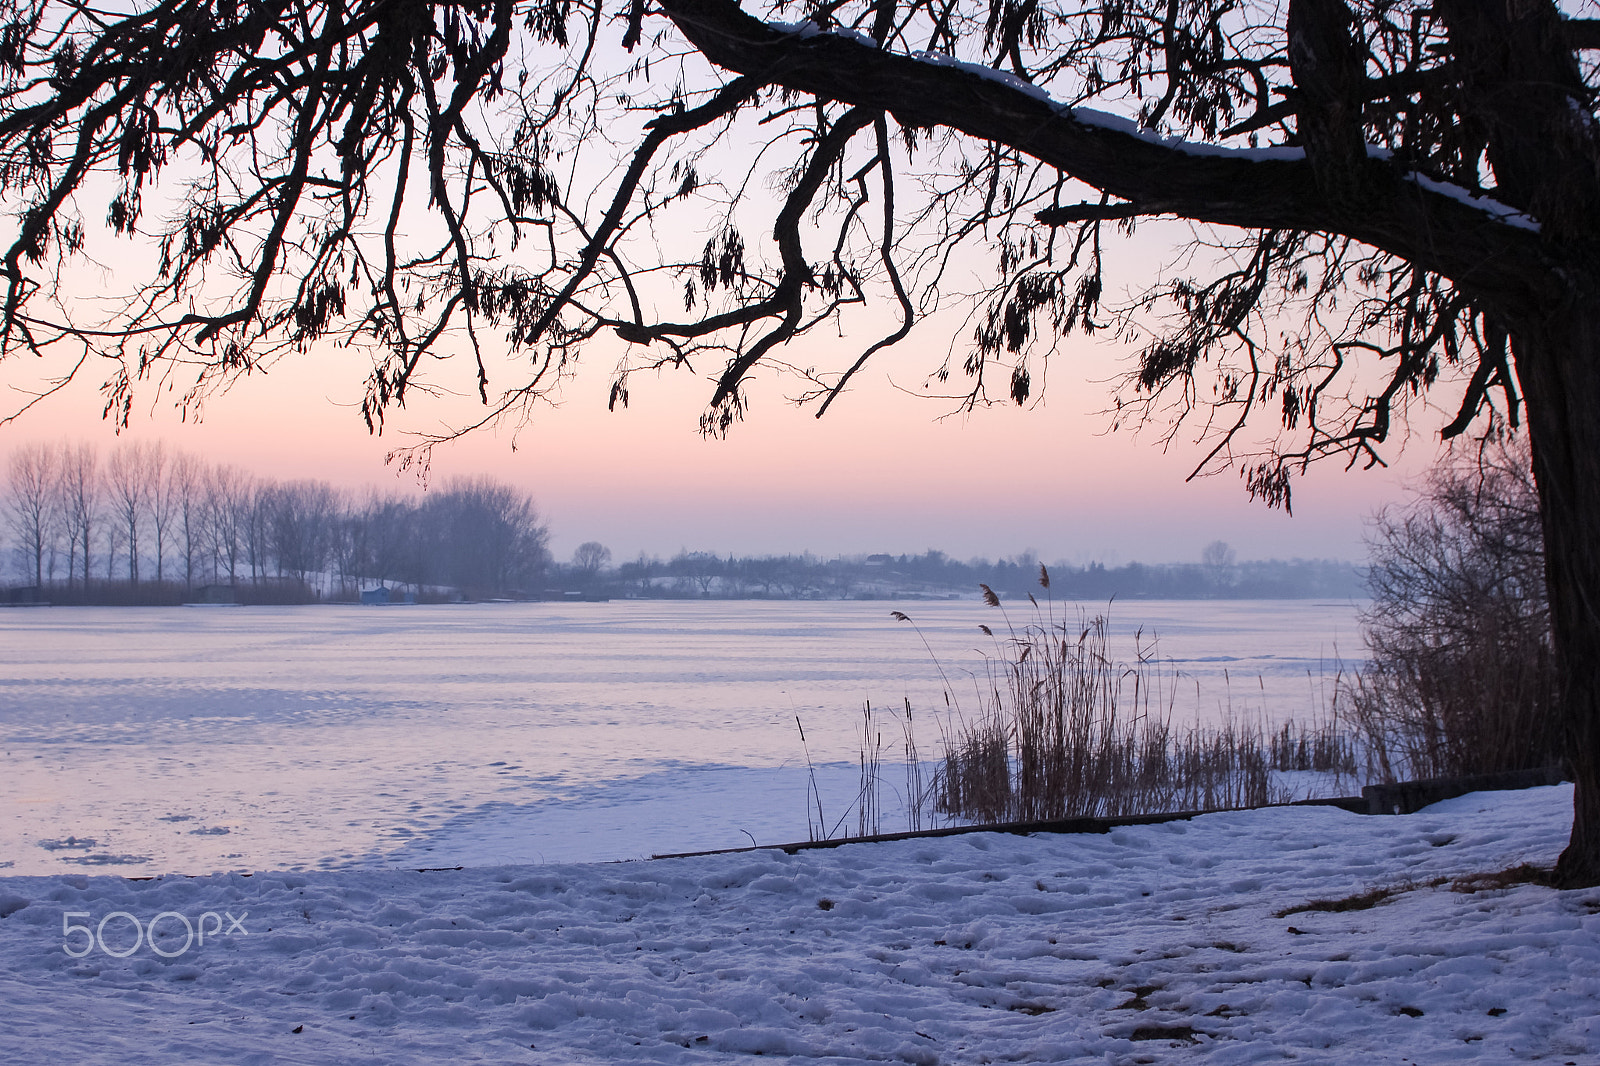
{"x": 1066, "y": 729}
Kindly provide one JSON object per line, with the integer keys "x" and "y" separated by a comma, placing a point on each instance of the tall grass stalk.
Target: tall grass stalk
{"x": 867, "y": 806}
{"x": 813, "y": 792}
{"x": 916, "y": 788}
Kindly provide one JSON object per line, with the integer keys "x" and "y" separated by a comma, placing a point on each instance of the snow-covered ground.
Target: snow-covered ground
{"x": 1149, "y": 944}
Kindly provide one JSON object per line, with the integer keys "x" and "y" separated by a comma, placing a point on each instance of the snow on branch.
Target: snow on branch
{"x": 1088, "y": 116}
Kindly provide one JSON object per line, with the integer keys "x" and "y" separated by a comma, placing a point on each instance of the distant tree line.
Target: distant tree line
{"x": 145, "y": 524}
{"x": 933, "y": 574}
{"x": 149, "y": 525}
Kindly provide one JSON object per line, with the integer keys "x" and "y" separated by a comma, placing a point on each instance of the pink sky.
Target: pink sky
{"x": 883, "y": 472}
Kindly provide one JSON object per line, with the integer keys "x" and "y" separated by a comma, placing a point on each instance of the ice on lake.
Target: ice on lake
{"x": 190, "y": 740}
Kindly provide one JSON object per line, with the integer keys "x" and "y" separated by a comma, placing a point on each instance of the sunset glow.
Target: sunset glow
{"x": 885, "y": 470}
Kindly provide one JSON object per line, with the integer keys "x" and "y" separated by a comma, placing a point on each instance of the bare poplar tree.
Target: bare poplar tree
{"x": 350, "y": 549}
{"x": 186, "y": 478}
{"x": 254, "y": 509}
{"x": 229, "y": 513}
{"x": 163, "y": 501}
{"x": 129, "y": 477}
{"x": 1218, "y": 558}
{"x": 114, "y": 536}
{"x": 390, "y": 527}
{"x": 300, "y": 517}
{"x": 81, "y": 501}
{"x": 32, "y": 505}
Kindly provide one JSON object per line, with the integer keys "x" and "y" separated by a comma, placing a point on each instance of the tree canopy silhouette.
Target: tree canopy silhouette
{"x": 1404, "y": 200}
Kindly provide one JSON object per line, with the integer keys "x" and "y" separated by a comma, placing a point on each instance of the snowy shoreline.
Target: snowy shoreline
{"x": 1149, "y": 944}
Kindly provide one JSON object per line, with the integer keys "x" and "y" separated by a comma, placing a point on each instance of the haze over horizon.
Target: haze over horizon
{"x": 885, "y": 471}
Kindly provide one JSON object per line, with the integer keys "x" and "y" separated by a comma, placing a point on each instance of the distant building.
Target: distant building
{"x": 382, "y": 596}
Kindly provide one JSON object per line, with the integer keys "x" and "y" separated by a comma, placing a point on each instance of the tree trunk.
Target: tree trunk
{"x": 1559, "y": 367}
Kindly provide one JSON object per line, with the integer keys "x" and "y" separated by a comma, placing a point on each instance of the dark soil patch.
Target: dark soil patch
{"x": 1138, "y": 1000}
{"x": 1164, "y": 1032}
{"x": 1525, "y": 874}
{"x": 1361, "y": 901}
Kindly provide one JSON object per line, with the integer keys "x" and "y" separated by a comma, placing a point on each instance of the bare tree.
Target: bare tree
{"x": 32, "y": 505}
{"x": 351, "y": 546}
{"x": 1462, "y": 677}
{"x": 1407, "y": 196}
{"x": 697, "y": 570}
{"x": 250, "y": 510}
{"x": 484, "y": 538}
{"x": 641, "y": 572}
{"x": 186, "y": 478}
{"x": 300, "y": 517}
{"x": 1218, "y": 559}
{"x": 130, "y": 475}
{"x": 80, "y": 501}
{"x": 395, "y": 540}
{"x": 590, "y": 557}
{"x": 114, "y": 536}
{"x": 163, "y": 499}
{"x": 229, "y": 510}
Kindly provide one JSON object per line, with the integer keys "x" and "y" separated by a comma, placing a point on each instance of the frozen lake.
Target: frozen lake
{"x": 142, "y": 741}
